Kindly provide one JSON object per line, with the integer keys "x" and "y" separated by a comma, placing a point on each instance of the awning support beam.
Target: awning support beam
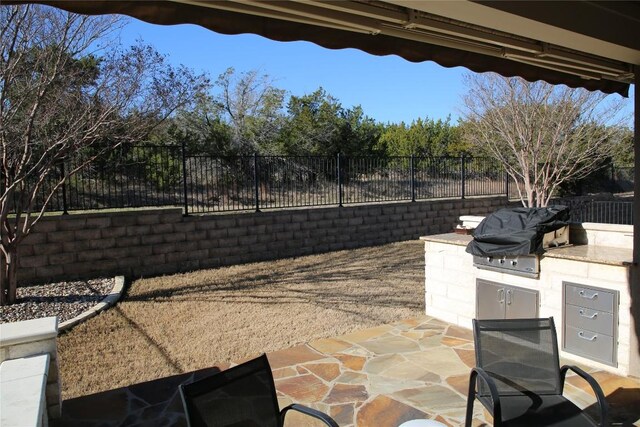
{"x": 634, "y": 280}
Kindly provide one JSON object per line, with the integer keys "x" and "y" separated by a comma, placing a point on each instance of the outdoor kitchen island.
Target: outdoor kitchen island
{"x": 584, "y": 286}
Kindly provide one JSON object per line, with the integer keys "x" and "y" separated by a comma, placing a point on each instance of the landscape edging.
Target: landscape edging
{"x": 108, "y": 301}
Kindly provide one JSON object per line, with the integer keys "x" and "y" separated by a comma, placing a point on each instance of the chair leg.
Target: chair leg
{"x": 471, "y": 396}
{"x": 469, "y": 416}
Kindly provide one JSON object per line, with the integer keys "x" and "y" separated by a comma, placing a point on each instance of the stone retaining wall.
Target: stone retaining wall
{"x": 162, "y": 241}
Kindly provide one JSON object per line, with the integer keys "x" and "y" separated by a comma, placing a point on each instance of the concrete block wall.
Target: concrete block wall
{"x": 162, "y": 241}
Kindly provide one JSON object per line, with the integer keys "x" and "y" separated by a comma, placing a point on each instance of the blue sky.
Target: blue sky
{"x": 389, "y": 88}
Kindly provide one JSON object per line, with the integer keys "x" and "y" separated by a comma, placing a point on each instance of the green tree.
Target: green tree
{"x": 623, "y": 148}
{"x": 317, "y": 124}
{"x": 423, "y": 137}
{"x": 313, "y": 126}
{"x": 358, "y": 134}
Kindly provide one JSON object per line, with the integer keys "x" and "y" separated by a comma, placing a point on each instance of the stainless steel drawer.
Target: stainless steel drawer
{"x": 589, "y": 344}
{"x": 589, "y": 319}
{"x": 596, "y": 299}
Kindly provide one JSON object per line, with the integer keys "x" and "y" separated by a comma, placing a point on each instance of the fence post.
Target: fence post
{"x": 506, "y": 183}
{"x": 65, "y": 210}
{"x": 184, "y": 179}
{"x": 339, "y": 171}
{"x": 413, "y": 178}
{"x": 256, "y": 181}
{"x": 463, "y": 173}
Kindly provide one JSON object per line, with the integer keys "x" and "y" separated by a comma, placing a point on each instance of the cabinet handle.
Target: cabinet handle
{"x": 501, "y": 296}
{"x": 581, "y": 335}
{"x": 592, "y": 296}
{"x": 509, "y": 296}
{"x": 593, "y": 316}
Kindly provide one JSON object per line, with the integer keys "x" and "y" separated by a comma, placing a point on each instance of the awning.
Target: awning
{"x": 381, "y": 28}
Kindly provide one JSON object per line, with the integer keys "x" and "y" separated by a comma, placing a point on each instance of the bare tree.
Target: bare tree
{"x": 66, "y": 89}
{"x": 253, "y": 106}
{"x": 543, "y": 134}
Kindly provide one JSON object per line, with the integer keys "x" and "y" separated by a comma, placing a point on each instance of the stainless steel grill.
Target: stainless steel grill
{"x": 521, "y": 265}
{"x": 511, "y": 240}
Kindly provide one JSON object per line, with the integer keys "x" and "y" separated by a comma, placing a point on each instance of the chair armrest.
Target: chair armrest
{"x": 496, "y": 410}
{"x": 602, "y": 401}
{"x": 308, "y": 411}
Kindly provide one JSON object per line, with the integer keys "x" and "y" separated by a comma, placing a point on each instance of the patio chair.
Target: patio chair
{"x": 521, "y": 381}
{"x": 242, "y": 396}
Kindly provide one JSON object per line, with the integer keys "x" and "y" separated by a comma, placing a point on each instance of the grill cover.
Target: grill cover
{"x": 516, "y": 231}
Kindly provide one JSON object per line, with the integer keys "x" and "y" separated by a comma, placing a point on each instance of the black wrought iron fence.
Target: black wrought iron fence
{"x": 620, "y": 181}
{"x": 439, "y": 177}
{"x": 600, "y": 211}
{"x": 296, "y": 181}
{"x": 215, "y": 184}
{"x": 170, "y": 176}
{"x": 374, "y": 179}
{"x": 218, "y": 183}
{"x": 137, "y": 176}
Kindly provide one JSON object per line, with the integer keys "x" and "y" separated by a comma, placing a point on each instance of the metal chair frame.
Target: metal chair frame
{"x": 261, "y": 364}
{"x": 494, "y": 404}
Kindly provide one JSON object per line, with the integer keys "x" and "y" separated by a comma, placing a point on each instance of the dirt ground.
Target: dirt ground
{"x": 179, "y": 323}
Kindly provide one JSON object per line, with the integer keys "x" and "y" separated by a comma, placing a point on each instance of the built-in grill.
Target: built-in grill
{"x": 523, "y": 265}
{"x": 512, "y": 240}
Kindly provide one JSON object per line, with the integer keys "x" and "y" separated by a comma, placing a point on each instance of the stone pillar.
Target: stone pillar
{"x": 30, "y": 338}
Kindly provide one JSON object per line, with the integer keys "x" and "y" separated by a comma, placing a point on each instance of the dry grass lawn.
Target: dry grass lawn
{"x": 173, "y": 324}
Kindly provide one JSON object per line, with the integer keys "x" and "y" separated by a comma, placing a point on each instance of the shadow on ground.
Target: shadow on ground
{"x": 149, "y": 404}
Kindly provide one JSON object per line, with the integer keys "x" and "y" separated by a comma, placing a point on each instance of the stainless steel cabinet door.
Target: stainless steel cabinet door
{"x": 521, "y": 303}
{"x": 490, "y": 300}
{"x": 499, "y": 301}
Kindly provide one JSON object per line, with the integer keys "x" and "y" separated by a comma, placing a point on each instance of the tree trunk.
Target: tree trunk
{"x": 530, "y": 196}
{"x": 8, "y": 276}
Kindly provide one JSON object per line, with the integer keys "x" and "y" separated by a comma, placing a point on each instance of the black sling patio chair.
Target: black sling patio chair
{"x": 518, "y": 377}
{"x": 242, "y": 396}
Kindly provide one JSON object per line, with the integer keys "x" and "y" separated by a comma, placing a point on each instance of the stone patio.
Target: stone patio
{"x": 377, "y": 377}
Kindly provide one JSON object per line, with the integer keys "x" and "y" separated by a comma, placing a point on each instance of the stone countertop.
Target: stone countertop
{"x": 449, "y": 238}
{"x": 592, "y": 253}
{"x": 588, "y": 253}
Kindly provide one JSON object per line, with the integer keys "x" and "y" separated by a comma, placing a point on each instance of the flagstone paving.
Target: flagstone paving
{"x": 378, "y": 377}
{"x": 391, "y": 374}
{"x": 417, "y": 368}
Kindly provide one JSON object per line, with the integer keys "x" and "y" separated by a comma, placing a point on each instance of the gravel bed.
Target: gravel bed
{"x": 63, "y": 299}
